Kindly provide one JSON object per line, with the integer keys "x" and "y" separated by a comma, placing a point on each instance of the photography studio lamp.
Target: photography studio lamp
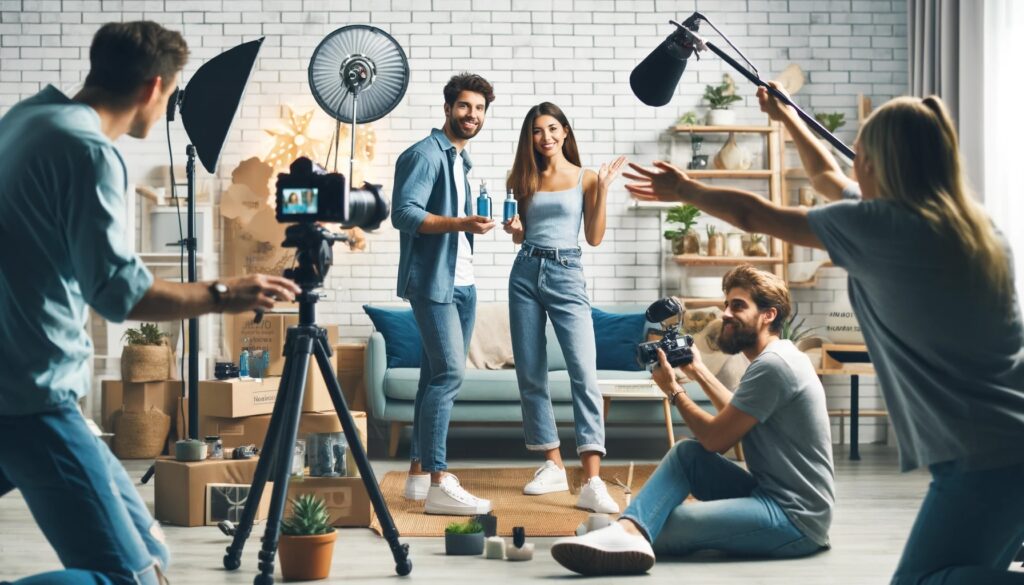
{"x": 208, "y": 104}
{"x": 655, "y": 79}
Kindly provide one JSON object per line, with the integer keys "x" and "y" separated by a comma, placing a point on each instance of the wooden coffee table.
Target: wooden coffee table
{"x": 637, "y": 390}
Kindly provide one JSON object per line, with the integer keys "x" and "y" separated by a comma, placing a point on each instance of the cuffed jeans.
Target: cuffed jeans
{"x": 553, "y": 286}
{"x": 968, "y": 529}
{"x": 82, "y": 499}
{"x": 445, "y": 329}
{"x": 734, "y": 516}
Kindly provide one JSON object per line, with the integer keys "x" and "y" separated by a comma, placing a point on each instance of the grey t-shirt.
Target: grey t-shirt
{"x": 790, "y": 452}
{"x": 950, "y": 364}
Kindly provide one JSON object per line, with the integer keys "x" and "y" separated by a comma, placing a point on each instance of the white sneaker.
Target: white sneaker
{"x": 594, "y": 496}
{"x": 608, "y": 551}
{"x": 416, "y": 486}
{"x": 549, "y": 478}
{"x": 450, "y": 498}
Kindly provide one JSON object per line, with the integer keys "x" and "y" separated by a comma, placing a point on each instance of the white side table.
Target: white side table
{"x": 637, "y": 390}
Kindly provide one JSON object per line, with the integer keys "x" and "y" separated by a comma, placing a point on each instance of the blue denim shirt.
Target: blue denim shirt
{"x": 62, "y": 247}
{"x": 425, "y": 183}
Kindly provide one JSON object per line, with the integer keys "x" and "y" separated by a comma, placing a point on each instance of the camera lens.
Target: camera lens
{"x": 366, "y": 208}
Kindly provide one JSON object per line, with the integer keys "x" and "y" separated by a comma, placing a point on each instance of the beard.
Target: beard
{"x": 736, "y": 336}
{"x": 455, "y": 125}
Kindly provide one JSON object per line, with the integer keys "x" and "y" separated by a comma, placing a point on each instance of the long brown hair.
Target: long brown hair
{"x": 524, "y": 179}
{"x": 912, "y": 144}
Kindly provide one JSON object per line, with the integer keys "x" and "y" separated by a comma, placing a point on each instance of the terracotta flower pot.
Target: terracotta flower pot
{"x": 691, "y": 243}
{"x": 306, "y": 558}
{"x": 716, "y": 245}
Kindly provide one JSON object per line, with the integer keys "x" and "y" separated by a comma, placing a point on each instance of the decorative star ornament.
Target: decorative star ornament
{"x": 293, "y": 142}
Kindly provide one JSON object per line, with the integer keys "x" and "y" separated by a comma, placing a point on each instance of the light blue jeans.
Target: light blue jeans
{"x": 970, "y": 526}
{"x": 734, "y": 516}
{"x": 445, "y": 329}
{"x": 550, "y": 283}
{"x": 82, "y": 499}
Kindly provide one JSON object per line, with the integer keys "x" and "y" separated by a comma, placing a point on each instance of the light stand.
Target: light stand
{"x": 654, "y": 80}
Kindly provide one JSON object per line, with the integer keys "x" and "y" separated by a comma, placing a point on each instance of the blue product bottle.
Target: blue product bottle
{"x": 511, "y": 208}
{"x": 266, "y": 363}
{"x": 483, "y": 201}
{"x": 243, "y": 364}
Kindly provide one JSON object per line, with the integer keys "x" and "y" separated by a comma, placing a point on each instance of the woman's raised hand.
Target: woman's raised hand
{"x": 608, "y": 172}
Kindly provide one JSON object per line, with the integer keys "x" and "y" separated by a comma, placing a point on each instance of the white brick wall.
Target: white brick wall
{"x": 576, "y": 53}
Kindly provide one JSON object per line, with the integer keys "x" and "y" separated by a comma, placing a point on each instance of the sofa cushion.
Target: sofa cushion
{"x": 401, "y": 336}
{"x": 617, "y": 335}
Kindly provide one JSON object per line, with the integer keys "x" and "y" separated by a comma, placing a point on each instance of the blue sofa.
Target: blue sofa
{"x": 490, "y": 397}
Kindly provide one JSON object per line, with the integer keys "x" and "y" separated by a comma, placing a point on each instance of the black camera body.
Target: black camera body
{"x": 678, "y": 348}
{"x": 309, "y": 194}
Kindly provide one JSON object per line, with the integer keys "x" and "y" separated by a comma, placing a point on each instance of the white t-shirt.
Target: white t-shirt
{"x": 464, "y": 261}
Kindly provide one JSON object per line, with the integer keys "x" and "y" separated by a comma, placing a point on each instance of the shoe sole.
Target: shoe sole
{"x": 590, "y": 561}
{"x": 595, "y": 510}
{"x": 453, "y": 511}
{"x": 547, "y": 490}
{"x": 414, "y": 497}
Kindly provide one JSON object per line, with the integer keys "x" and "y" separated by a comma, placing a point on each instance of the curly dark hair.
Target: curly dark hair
{"x": 124, "y": 55}
{"x": 468, "y": 82}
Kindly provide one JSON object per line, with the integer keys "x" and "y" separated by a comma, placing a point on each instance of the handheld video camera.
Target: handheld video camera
{"x": 308, "y": 194}
{"x": 677, "y": 347}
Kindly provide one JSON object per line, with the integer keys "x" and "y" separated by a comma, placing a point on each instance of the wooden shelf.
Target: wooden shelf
{"x": 695, "y": 260}
{"x": 684, "y": 129}
{"x": 719, "y": 174}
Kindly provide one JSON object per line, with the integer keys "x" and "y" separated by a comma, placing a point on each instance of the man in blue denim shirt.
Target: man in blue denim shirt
{"x": 435, "y": 274}
{"x": 62, "y": 247}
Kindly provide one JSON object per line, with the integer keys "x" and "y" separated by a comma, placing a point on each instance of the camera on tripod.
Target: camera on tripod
{"x": 677, "y": 348}
{"x": 308, "y": 193}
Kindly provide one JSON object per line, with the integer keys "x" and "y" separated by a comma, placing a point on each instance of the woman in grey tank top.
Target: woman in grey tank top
{"x": 556, "y": 196}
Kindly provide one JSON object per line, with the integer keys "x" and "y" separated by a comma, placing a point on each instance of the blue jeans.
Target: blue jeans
{"x": 968, "y": 529}
{"x": 445, "y": 329}
{"x": 734, "y": 516}
{"x": 553, "y": 286}
{"x": 82, "y": 499}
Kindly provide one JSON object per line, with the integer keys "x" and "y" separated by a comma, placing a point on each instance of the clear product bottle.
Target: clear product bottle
{"x": 243, "y": 364}
{"x": 511, "y": 207}
{"x": 483, "y": 201}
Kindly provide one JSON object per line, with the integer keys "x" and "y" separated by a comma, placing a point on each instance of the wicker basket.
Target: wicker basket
{"x": 140, "y": 435}
{"x": 145, "y": 363}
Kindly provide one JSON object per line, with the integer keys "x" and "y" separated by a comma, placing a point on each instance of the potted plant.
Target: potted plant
{"x": 464, "y": 538}
{"x": 307, "y": 540}
{"x": 756, "y": 246}
{"x": 146, "y": 357}
{"x": 687, "y": 119}
{"x": 684, "y": 239}
{"x": 795, "y": 331}
{"x": 720, "y": 97}
{"x": 832, "y": 121}
{"x": 716, "y": 241}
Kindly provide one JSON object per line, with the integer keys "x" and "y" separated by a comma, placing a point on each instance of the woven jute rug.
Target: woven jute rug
{"x": 547, "y": 515}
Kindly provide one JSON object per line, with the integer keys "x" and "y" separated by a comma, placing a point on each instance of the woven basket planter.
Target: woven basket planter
{"x": 145, "y": 363}
{"x": 140, "y": 435}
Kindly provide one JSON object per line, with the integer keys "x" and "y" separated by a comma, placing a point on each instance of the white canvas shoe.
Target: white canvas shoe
{"x": 450, "y": 498}
{"x": 594, "y": 496}
{"x": 608, "y": 551}
{"x": 548, "y": 479}
{"x": 416, "y": 486}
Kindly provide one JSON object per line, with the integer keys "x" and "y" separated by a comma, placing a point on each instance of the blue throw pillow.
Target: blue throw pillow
{"x": 401, "y": 336}
{"x": 617, "y": 335}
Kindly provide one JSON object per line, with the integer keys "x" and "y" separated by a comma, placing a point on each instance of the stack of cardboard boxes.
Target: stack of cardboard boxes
{"x": 119, "y": 397}
{"x": 238, "y": 411}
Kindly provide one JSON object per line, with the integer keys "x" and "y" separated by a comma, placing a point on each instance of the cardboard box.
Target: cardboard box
{"x": 350, "y": 364}
{"x": 226, "y": 501}
{"x": 180, "y": 489}
{"x": 115, "y": 395}
{"x": 253, "y": 429}
{"x": 242, "y": 331}
{"x": 237, "y": 397}
{"x": 347, "y": 501}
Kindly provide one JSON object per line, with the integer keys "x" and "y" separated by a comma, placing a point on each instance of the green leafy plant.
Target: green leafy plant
{"x": 832, "y": 121}
{"x": 685, "y": 215}
{"x": 794, "y": 330}
{"x": 146, "y": 334}
{"x": 711, "y": 230}
{"x": 756, "y": 238}
{"x": 468, "y": 527}
{"x": 720, "y": 96}
{"x": 309, "y": 516}
{"x": 687, "y": 119}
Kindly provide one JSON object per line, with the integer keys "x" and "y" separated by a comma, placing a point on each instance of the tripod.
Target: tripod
{"x": 314, "y": 257}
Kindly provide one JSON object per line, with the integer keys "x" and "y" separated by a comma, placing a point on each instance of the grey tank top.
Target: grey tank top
{"x": 553, "y": 218}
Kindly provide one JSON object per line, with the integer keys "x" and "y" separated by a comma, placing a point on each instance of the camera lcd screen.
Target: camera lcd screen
{"x": 300, "y": 201}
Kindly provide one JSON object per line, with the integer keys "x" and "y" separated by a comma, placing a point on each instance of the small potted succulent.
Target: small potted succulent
{"x": 307, "y": 540}
{"x": 720, "y": 97}
{"x": 464, "y": 538}
{"x": 716, "y": 241}
{"x": 756, "y": 246}
{"x": 684, "y": 239}
{"x": 146, "y": 357}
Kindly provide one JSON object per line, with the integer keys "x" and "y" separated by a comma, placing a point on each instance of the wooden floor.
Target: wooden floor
{"x": 876, "y": 506}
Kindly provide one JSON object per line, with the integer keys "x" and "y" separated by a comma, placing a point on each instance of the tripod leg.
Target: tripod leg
{"x": 298, "y": 350}
{"x": 400, "y": 552}
{"x": 233, "y": 558}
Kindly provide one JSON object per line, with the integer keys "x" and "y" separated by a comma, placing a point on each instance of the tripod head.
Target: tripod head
{"x": 315, "y": 255}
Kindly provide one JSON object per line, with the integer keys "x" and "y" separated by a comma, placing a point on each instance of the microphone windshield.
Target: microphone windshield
{"x": 662, "y": 310}
{"x": 654, "y": 80}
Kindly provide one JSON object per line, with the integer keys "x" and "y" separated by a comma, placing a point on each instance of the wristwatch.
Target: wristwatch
{"x": 219, "y": 292}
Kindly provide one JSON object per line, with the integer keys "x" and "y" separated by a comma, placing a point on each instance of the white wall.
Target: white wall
{"x": 576, "y": 53}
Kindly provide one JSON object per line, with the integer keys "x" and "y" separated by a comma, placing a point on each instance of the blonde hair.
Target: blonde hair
{"x": 913, "y": 147}
{"x": 767, "y": 289}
